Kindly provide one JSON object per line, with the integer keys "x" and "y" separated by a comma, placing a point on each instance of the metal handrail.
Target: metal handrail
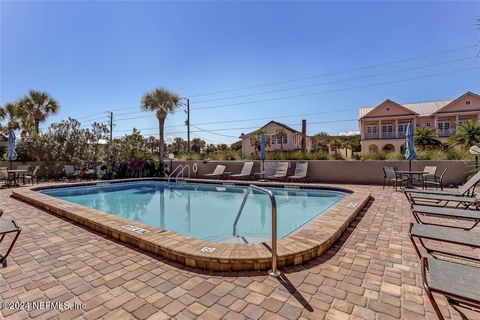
{"x": 174, "y": 170}
{"x": 273, "y": 272}
{"x": 180, "y": 172}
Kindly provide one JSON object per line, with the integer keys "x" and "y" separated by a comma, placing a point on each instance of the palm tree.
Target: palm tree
{"x": 35, "y": 108}
{"x": 426, "y": 138}
{"x": 335, "y": 144}
{"x": 162, "y": 102}
{"x": 280, "y": 134}
{"x": 467, "y": 135}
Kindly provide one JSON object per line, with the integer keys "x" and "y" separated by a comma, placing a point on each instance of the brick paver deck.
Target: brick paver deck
{"x": 370, "y": 273}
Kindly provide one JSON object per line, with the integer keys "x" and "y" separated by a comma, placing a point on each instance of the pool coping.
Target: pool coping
{"x": 311, "y": 241}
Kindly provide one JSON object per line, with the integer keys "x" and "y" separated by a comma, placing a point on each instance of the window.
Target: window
{"x": 252, "y": 141}
{"x": 285, "y": 140}
{"x": 387, "y": 108}
{"x": 428, "y": 124}
{"x": 468, "y": 102}
{"x": 417, "y": 125}
{"x": 462, "y": 120}
{"x": 272, "y": 138}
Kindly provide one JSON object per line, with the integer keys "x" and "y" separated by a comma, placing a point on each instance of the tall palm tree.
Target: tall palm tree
{"x": 280, "y": 134}
{"x": 336, "y": 144}
{"x": 35, "y": 108}
{"x": 426, "y": 138}
{"x": 162, "y": 102}
{"x": 467, "y": 135}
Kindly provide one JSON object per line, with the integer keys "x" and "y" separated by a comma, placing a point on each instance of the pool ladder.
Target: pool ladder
{"x": 273, "y": 271}
{"x": 179, "y": 172}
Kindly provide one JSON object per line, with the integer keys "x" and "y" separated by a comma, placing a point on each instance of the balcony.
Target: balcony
{"x": 445, "y": 132}
{"x": 371, "y": 136}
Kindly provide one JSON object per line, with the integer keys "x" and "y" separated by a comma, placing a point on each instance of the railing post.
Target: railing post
{"x": 274, "y": 271}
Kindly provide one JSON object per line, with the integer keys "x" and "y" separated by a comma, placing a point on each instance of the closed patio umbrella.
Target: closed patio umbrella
{"x": 11, "y": 152}
{"x": 263, "y": 150}
{"x": 410, "y": 146}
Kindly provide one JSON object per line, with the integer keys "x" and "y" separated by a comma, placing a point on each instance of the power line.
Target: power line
{"x": 337, "y": 90}
{"x": 337, "y": 81}
{"x": 336, "y": 72}
{"x": 254, "y": 119}
{"x": 218, "y": 134}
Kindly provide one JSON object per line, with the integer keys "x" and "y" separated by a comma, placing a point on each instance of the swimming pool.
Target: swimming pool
{"x": 203, "y": 211}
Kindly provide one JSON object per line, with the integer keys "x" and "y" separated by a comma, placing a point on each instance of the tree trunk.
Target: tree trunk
{"x": 161, "y": 124}
{"x": 37, "y": 127}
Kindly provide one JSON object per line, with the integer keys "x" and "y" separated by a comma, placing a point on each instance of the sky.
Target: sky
{"x": 241, "y": 64}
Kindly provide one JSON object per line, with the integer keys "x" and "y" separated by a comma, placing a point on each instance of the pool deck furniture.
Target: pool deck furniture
{"x": 7, "y": 227}
{"x": 16, "y": 175}
{"x": 32, "y": 177}
{"x": 391, "y": 177}
{"x": 6, "y": 177}
{"x": 71, "y": 174}
{"x": 1, "y": 212}
{"x": 467, "y": 189}
{"x": 441, "y": 200}
{"x": 423, "y": 232}
{"x": 457, "y": 282}
{"x": 410, "y": 174}
{"x": 218, "y": 173}
{"x": 436, "y": 181}
{"x": 450, "y": 213}
{"x": 280, "y": 172}
{"x": 246, "y": 172}
{"x": 311, "y": 241}
{"x": 300, "y": 174}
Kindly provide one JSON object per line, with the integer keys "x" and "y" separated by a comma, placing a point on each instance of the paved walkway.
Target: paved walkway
{"x": 370, "y": 273}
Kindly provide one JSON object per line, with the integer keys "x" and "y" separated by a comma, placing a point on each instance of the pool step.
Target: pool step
{"x": 249, "y": 238}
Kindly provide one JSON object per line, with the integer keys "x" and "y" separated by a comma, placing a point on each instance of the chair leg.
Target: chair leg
{"x": 3, "y": 260}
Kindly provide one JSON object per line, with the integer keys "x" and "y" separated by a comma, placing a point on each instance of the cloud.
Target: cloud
{"x": 169, "y": 139}
{"x": 348, "y": 133}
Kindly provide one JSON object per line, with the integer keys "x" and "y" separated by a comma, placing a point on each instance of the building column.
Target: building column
{"x": 435, "y": 124}
{"x": 380, "y": 129}
{"x": 414, "y": 124}
{"x": 396, "y": 128}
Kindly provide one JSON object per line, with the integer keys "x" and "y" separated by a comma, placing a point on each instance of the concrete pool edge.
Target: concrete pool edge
{"x": 311, "y": 241}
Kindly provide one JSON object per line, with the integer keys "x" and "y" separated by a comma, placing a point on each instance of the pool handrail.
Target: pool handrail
{"x": 273, "y": 271}
{"x": 180, "y": 172}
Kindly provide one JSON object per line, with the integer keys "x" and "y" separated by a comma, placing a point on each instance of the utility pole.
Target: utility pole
{"x": 188, "y": 125}
{"x": 111, "y": 126}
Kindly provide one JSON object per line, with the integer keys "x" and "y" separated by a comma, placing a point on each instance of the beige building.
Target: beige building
{"x": 291, "y": 141}
{"x": 383, "y": 127}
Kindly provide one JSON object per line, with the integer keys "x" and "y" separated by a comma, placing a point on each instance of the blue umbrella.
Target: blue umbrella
{"x": 263, "y": 150}
{"x": 410, "y": 146}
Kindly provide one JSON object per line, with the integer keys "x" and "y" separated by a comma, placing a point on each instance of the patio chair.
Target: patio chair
{"x": 300, "y": 173}
{"x": 434, "y": 180}
{"x": 246, "y": 171}
{"x": 468, "y": 188}
{"x": 21, "y": 175}
{"x": 280, "y": 171}
{"x": 33, "y": 176}
{"x": 1, "y": 212}
{"x": 450, "y": 213}
{"x": 443, "y": 234}
{"x": 101, "y": 170}
{"x": 217, "y": 173}
{"x": 391, "y": 176}
{"x": 70, "y": 173}
{"x": 7, "y": 227}
{"x": 457, "y": 282}
{"x": 4, "y": 176}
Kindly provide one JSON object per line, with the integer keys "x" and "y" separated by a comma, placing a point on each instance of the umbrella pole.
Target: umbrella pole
{"x": 409, "y": 165}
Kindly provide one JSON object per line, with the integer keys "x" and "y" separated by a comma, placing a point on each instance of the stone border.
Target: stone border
{"x": 311, "y": 241}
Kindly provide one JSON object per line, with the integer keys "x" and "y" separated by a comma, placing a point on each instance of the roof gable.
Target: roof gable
{"x": 272, "y": 122}
{"x": 388, "y": 108}
{"x": 460, "y": 104}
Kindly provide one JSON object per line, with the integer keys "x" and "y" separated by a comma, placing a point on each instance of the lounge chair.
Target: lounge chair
{"x": 437, "y": 199}
{"x": 7, "y": 227}
{"x": 245, "y": 173}
{"x": 33, "y": 176}
{"x": 280, "y": 171}
{"x": 444, "y": 234}
{"x": 451, "y": 213}
{"x": 300, "y": 173}
{"x": 468, "y": 189}
{"x": 217, "y": 173}
{"x": 457, "y": 282}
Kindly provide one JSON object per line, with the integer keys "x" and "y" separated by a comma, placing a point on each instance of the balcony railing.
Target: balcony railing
{"x": 371, "y": 136}
{"x": 445, "y": 132}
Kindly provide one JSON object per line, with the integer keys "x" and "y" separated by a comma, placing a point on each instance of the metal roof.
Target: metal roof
{"x": 423, "y": 109}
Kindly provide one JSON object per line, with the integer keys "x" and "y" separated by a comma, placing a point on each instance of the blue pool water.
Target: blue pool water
{"x": 203, "y": 211}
